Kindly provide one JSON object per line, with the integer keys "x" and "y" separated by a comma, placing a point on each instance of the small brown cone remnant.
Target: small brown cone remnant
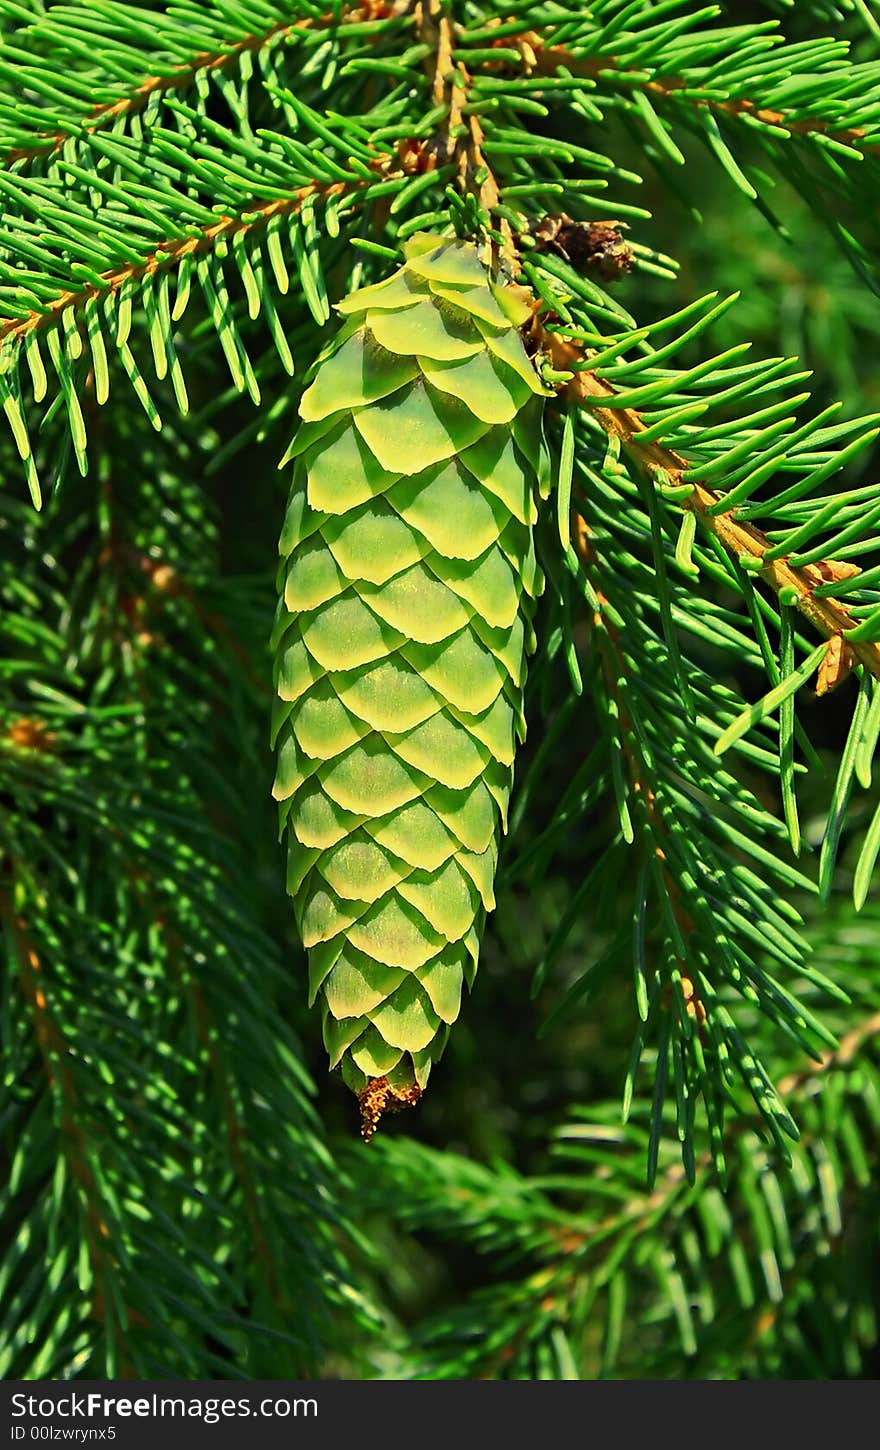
{"x": 596, "y": 249}
{"x": 380, "y": 1096}
{"x": 836, "y": 665}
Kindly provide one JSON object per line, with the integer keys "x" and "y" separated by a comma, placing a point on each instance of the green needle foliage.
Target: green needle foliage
{"x": 651, "y": 1146}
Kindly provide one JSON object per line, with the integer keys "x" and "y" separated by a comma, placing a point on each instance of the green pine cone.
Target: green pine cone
{"x": 408, "y": 580}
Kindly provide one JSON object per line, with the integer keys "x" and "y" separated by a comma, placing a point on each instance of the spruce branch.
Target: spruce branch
{"x": 209, "y": 1038}
{"x": 255, "y": 215}
{"x": 814, "y": 113}
{"x": 804, "y": 1082}
{"x": 236, "y": 1132}
{"x": 78, "y": 1152}
{"x": 541, "y": 58}
{"x": 181, "y": 77}
{"x": 224, "y": 1240}
{"x": 584, "y": 1254}
{"x": 645, "y": 793}
{"x": 662, "y": 465}
{"x": 460, "y": 140}
{"x": 807, "y": 1080}
{"x": 692, "y": 941}
{"x": 177, "y": 79}
{"x": 173, "y": 1205}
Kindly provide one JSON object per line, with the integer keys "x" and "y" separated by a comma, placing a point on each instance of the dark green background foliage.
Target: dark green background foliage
{"x": 183, "y": 1192}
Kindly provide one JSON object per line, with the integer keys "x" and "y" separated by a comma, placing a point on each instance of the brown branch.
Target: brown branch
{"x": 538, "y": 59}
{"x": 167, "y": 254}
{"x": 180, "y": 77}
{"x": 461, "y": 139}
{"x": 829, "y": 616}
{"x": 807, "y": 126}
{"x": 541, "y": 59}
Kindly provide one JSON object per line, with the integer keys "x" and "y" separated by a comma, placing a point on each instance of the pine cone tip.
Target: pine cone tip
{"x": 378, "y": 1096}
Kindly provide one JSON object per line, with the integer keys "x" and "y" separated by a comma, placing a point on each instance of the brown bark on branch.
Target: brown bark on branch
{"x": 166, "y": 254}
{"x": 181, "y": 77}
{"x": 540, "y": 59}
{"x": 829, "y": 616}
